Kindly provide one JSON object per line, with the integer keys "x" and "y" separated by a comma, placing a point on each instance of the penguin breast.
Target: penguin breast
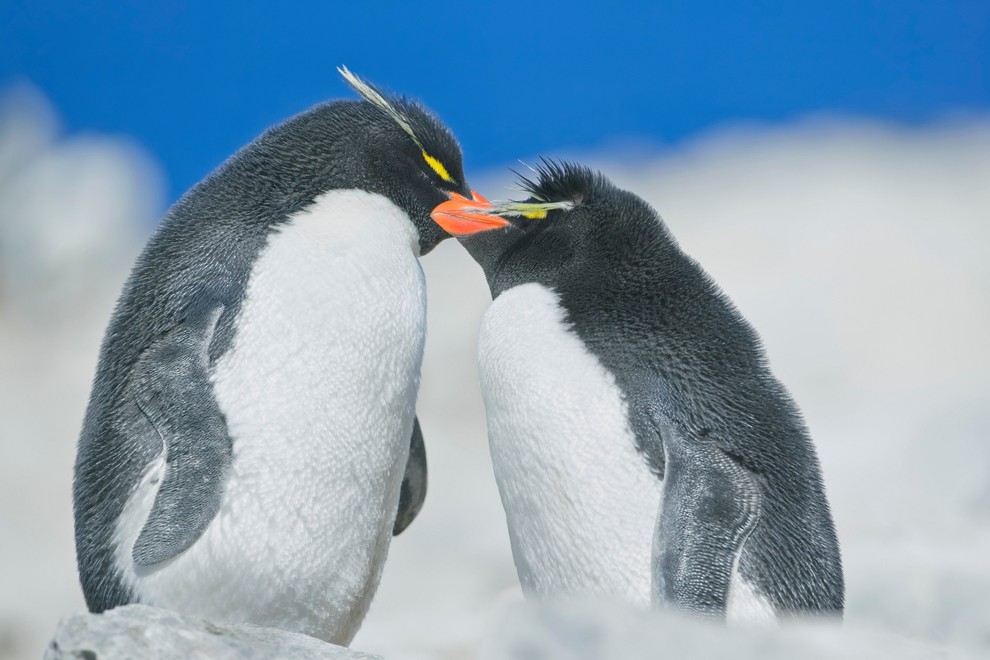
{"x": 580, "y": 501}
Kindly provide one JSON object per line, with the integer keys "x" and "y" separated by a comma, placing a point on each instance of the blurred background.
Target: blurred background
{"x": 828, "y": 164}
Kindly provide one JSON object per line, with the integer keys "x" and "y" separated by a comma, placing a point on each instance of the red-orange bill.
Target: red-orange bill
{"x": 460, "y": 216}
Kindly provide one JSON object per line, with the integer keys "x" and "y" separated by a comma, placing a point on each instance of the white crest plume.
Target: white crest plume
{"x": 373, "y": 96}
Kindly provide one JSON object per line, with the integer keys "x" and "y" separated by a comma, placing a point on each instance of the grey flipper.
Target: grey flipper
{"x": 413, "y": 482}
{"x": 711, "y": 504}
{"x": 173, "y": 390}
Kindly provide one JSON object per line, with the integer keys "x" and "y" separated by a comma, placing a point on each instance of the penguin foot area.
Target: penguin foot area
{"x": 139, "y": 631}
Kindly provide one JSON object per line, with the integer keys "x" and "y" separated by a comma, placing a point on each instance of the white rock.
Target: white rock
{"x": 139, "y": 631}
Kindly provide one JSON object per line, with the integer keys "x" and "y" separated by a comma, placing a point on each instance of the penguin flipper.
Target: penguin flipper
{"x": 710, "y": 506}
{"x": 173, "y": 389}
{"x": 413, "y": 482}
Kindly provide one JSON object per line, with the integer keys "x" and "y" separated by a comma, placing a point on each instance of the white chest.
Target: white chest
{"x": 580, "y": 502}
{"x": 319, "y": 390}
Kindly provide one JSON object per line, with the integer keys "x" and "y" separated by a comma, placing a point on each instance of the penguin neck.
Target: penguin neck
{"x": 430, "y": 234}
{"x": 616, "y": 249}
{"x": 489, "y": 249}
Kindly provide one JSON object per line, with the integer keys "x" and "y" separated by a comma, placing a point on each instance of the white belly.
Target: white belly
{"x": 319, "y": 391}
{"x": 579, "y": 499}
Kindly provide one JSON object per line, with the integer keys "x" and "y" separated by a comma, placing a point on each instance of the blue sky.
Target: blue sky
{"x": 193, "y": 81}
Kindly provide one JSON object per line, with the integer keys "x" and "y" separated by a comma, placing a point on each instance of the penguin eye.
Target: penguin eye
{"x": 438, "y": 167}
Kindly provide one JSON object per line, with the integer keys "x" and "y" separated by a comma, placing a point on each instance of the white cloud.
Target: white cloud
{"x": 72, "y": 210}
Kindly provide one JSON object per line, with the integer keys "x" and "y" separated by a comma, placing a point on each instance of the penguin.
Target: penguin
{"x": 643, "y": 449}
{"x": 250, "y": 444}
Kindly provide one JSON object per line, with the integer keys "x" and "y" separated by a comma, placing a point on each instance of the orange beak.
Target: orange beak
{"x": 460, "y": 216}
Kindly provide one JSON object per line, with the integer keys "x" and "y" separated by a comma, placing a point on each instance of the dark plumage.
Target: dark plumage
{"x": 708, "y": 414}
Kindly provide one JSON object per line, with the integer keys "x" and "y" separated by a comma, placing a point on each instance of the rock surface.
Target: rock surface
{"x": 139, "y": 631}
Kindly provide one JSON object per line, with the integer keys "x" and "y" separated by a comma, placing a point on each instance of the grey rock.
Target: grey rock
{"x": 592, "y": 631}
{"x": 139, "y": 631}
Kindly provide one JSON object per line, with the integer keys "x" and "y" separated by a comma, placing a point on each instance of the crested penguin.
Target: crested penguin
{"x": 642, "y": 447}
{"x": 250, "y": 444}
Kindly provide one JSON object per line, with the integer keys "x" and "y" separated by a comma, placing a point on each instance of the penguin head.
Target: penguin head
{"x": 411, "y": 154}
{"x": 382, "y": 144}
{"x": 574, "y": 220}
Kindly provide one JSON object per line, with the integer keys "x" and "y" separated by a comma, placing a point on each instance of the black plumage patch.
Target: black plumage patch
{"x": 438, "y": 145}
{"x": 561, "y": 181}
{"x": 435, "y": 138}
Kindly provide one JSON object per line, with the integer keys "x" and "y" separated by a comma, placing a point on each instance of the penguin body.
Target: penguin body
{"x": 250, "y": 423}
{"x": 643, "y": 449}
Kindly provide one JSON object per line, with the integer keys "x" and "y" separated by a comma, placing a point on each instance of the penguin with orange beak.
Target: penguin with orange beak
{"x": 251, "y": 444}
{"x": 643, "y": 449}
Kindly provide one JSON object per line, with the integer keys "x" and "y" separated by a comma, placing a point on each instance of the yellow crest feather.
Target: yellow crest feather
{"x": 438, "y": 167}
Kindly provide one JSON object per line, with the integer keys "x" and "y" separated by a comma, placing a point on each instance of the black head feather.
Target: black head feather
{"x": 425, "y": 130}
{"x": 562, "y": 181}
{"x": 432, "y": 135}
